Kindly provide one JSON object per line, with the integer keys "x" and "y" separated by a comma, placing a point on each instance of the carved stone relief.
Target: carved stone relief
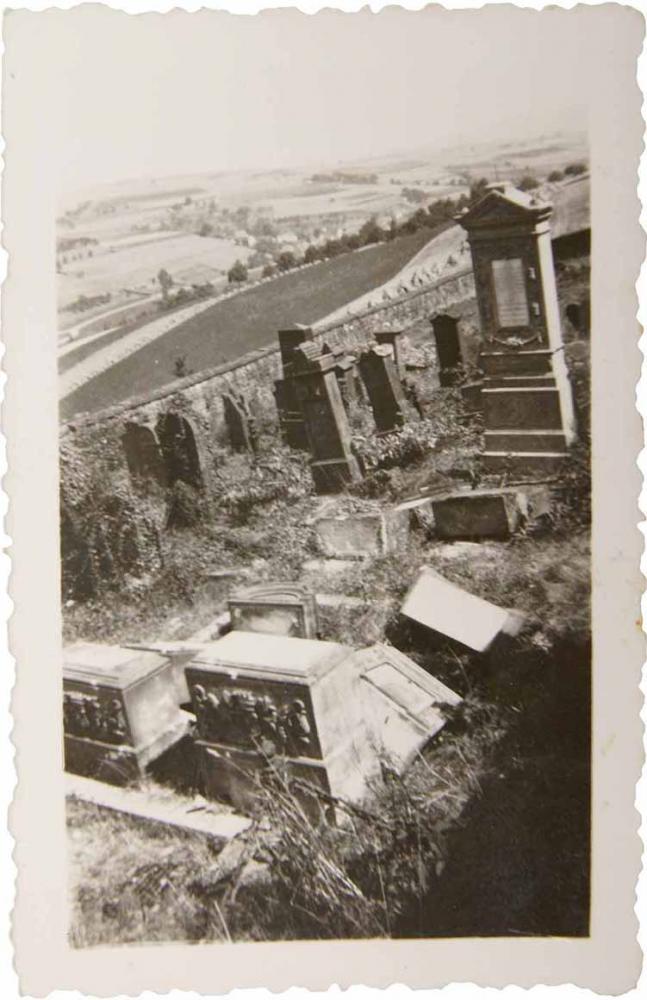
{"x": 94, "y": 718}
{"x": 243, "y": 718}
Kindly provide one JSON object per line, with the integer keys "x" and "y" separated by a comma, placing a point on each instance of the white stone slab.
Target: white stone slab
{"x": 163, "y": 807}
{"x": 452, "y": 611}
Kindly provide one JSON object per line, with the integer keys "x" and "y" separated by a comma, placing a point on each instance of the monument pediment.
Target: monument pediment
{"x": 505, "y": 207}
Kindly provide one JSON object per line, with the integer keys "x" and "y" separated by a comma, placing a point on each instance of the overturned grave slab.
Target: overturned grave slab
{"x": 120, "y": 710}
{"x": 159, "y": 805}
{"x": 319, "y": 716}
{"x": 479, "y": 513}
{"x": 450, "y": 611}
{"x": 275, "y": 608}
{"x": 361, "y": 535}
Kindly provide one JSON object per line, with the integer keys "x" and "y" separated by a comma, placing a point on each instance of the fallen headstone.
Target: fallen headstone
{"x": 450, "y": 611}
{"x": 479, "y": 513}
{"x": 361, "y": 535}
{"x": 322, "y": 715}
{"x": 195, "y": 815}
{"x": 275, "y": 608}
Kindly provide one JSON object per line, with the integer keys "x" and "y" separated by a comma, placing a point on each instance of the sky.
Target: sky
{"x": 159, "y": 95}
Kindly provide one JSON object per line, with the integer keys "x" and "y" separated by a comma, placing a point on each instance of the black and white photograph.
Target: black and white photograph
{"x": 322, "y": 323}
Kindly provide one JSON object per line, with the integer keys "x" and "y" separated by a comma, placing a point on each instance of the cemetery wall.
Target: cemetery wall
{"x": 253, "y": 375}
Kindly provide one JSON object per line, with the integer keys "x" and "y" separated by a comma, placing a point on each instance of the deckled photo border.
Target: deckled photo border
{"x": 609, "y": 961}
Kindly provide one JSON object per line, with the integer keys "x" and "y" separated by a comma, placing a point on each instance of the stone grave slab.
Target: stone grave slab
{"x": 120, "y": 710}
{"x": 479, "y": 513}
{"x": 319, "y": 714}
{"x": 275, "y": 608}
{"x": 362, "y": 535}
{"x": 451, "y": 611}
{"x": 160, "y": 806}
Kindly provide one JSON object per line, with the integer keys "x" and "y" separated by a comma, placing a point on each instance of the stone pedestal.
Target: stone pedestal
{"x": 526, "y": 396}
{"x": 307, "y": 716}
{"x": 275, "y": 608}
{"x": 120, "y": 710}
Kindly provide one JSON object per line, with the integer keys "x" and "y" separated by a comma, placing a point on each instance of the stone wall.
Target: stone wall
{"x": 200, "y": 395}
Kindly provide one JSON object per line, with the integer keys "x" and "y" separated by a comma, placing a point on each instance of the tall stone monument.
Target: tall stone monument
{"x": 329, "y": 438}
{"x": 527, "y": 399}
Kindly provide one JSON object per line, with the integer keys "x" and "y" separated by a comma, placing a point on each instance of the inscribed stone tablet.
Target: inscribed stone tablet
{"x": 510, "y": 289}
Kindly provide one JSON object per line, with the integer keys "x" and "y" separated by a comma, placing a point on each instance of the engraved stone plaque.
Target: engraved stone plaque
{"x": 510, "y": 291}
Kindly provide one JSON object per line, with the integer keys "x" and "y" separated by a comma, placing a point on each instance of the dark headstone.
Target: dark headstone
{"x": 385, "y": 392}
{"x": 333, "y": 463}
{"x": 240, "y": 423}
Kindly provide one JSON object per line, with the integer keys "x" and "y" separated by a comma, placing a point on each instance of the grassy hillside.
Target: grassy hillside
{"x": 247, "y": 321}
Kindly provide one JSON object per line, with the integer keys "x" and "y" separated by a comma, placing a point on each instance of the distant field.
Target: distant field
{"x": 188, "y": 258}
{"x": 246, "y": 322}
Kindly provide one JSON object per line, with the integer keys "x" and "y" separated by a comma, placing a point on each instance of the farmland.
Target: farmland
{"x": 190, "y": 258}
{"x": 247, "y": 321}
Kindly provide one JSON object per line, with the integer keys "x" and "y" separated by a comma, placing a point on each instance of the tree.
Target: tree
{"x": 311, "y": 254}
{"x": 286, "y": 261}
{"x": 269, "y": 271}
{"x": 371, "y": 232}
{"x": 528, "y": 183}
{"x": 237, "y": 273}
{"x": 206, "y": 229}
{"x": 165, "y": 281}
{"x": 555, "y": 175}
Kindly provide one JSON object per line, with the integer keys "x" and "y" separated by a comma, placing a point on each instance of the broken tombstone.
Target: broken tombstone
{"x": 479, "y": 513}
{"x": 447, "y": 610}
{"x": 364, "y": 534}
{"x": 275, "y": 608}
{"x": 319, "y": 717}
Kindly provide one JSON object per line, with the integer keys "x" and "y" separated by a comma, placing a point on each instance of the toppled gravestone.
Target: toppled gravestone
{"x": 448, "y": 610}
{"x": 479, "y": 513}
{"x": 363, "y": 534}
{"x": 321, "y": 716}
{"x": 275, "y": 608}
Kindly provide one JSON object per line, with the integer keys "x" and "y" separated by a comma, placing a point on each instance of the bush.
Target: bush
{"x": 575, "y": 169}
{"x": 555, "y": 176}
{"x": 237, "y": 273}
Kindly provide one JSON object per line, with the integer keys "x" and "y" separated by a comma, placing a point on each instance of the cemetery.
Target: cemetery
{"x": 326, "y": 622}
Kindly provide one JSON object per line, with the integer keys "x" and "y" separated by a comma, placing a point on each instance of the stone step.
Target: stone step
{"x": 523, "y": 408}
{"x": 519, "y": 363}
{"x": 523, "y": 441}
{"x": 520, "y": 382}
{"x": 523, "y": 463}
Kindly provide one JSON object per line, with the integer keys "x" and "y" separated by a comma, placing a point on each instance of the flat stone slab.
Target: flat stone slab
{"x": 197, "y": 816}
{"x": 363, "y": 535}
{"x": 449, "y": 610}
